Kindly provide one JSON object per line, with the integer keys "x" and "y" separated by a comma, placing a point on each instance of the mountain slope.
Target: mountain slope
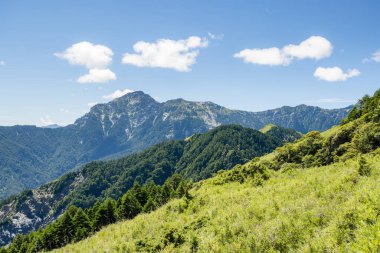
{"x": 319, "y": 194}
{"x": 31, "y": 156}
{"x": 321, "y": 209}
{"x": 197, "y": 157}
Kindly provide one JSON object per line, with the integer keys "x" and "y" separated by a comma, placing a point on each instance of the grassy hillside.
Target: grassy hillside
{"x": 321, "y": 209}
{"x": 320, "y": 194}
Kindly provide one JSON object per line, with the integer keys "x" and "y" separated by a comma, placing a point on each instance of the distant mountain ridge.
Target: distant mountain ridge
{"x": 31, "y": 156}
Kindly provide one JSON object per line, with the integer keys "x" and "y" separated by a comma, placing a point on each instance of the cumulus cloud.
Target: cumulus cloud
{"x": 96, "y": 58}
{"x": 88, "y": 55}
{"x": 315, "y": 47}
{"x": 97, "y": 76}
{"x": 179, "y": 55}
{"x": 375, "y": 57}
{"x": 267, "y": 56}
{"x": 335, "y": 74}
{"x": 117, "y": 94}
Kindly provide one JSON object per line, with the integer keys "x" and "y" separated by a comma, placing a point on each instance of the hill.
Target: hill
{"x": 198, "y": 157}
{"x": 319, "y": 209}
{"x": 31, "y": 156}
{"x": 320, "y": 194}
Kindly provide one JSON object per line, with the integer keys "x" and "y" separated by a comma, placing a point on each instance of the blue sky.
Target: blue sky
{"x": 46, "y": 46}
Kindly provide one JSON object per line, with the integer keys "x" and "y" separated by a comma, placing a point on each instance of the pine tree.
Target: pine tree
{"x": 92, "y": 211}
{"x": 150, "y": 205}
{"x": 130, "y": 206}
{"x": 139, "y": 193}
{"x": 65, "y": 229}
{"x": 105, "y": 214}
{"x": 181, "y": 189}
{"x": 165, "y": 193}
{"x": 82, "y": 225}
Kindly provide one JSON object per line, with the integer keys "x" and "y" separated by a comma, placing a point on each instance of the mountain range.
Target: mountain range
{"x": 31, "y": 156}
{"x": 195, "y": 158}
{"x": 318, "y": 194}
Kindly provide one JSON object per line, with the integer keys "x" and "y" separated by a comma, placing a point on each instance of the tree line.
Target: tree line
{"x": 76, "y": 223}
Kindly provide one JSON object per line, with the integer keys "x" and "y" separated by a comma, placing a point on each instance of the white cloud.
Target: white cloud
{"x": 179, "y": 55}
{"x": 46, "y": 121}
{"x": 267, "y": 56}
{"x": 96, "y": 58}
{"x": 97, "y": 76}
{"x": 315, "y": 47}
{"x": 117, "y": 94}
{"x": 88, "y": 55}
{"x": 335, "y": 74}
{"x": 2, "y": 63}
{"x": 376, "y": 56}
{"x": 215, "y": 36}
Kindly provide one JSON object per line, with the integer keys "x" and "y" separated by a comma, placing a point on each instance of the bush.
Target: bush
{"x": 364, "y": 169}
{"x": 367, "y": 137}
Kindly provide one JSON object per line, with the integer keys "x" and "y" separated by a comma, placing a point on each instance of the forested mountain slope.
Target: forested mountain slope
{"x": 320, "y": 194}
{"x": 31, "y": 156}
{"x": 197, "y": 157}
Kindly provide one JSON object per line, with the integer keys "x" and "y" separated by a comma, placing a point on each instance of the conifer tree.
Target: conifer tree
{"x": 150, "y": 205}
{"x": 105, "y": 214}
{"x": 130, "y": 206}
{"x": 82, "y": 225}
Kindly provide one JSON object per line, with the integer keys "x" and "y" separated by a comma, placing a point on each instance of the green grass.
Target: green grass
{"x": 267, "y": 128}
{"x": 321, "y": 209}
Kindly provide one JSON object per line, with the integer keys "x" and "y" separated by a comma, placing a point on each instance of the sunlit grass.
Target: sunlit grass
{"x": 324, "y": 209}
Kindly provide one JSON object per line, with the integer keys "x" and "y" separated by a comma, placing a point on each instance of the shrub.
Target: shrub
{"x": 367, "y": 137}
{"x": 364, "y": 169}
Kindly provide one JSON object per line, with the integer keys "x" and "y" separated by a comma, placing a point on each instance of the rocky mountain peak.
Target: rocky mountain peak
{"x": 135, "y": 97}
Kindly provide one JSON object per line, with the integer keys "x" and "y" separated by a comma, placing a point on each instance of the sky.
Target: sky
{"x": 58, "y": 58}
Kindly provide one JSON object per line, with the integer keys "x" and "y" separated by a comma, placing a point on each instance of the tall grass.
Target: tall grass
{"x": 321, "y": 209}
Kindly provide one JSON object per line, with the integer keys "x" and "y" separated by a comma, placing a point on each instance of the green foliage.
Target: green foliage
{"x": 360, "y": 134}
{"x": 256, "y": 172}
{"x": 364, "y": 169}
{"x": 367, "y": 108}
{"x": 76, "y": 224}
{"x": 196, "y": 158}
{"x": 129, "y": 206}
{"x": 82, "y": 224}
{"x": 104, "y": 215}
{"x": 230, "y": 145}
{"x": 367, "y": 137}
{"x": 319, "y": 209}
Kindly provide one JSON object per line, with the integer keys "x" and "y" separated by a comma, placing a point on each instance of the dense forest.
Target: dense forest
{"x": 76, "y": 224}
